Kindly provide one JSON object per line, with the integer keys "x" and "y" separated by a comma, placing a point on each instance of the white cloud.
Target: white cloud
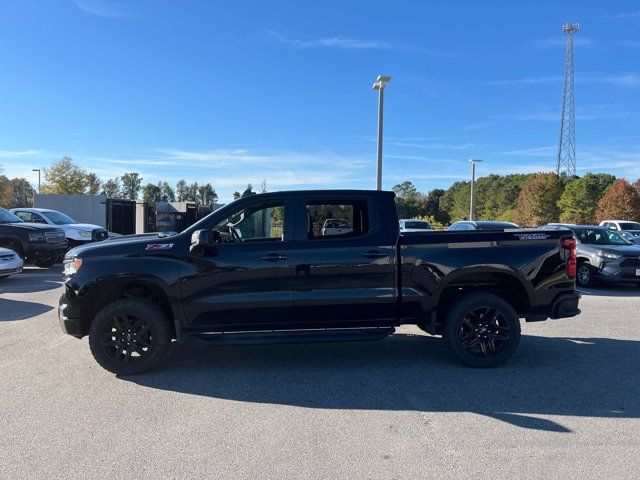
{"x": 624, "y": 15}
{"x": 18, "y": 153}
{"x": 330, "y": 42}
{"x": 476, "y": 126}
{"x": 102, "y": 8}
{"x": 622, "y": 79}
{"x": 534, "y": 152}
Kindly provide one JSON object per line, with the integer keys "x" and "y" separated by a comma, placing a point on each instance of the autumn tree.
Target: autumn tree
{"x": 621, "y": 201}
{"x": 22, "y": 193}
{"x": 580, "y": 198}
{"x": 538, "y": 200}
{"x": 65, "y": 177}
{"x": 131, "y": 183}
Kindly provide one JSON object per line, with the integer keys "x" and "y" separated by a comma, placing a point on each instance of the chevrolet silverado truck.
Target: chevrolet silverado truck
{"x": 260, "y": 270}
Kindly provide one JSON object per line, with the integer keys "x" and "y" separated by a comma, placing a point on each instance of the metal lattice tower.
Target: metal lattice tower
{"x": 567, "y": 144}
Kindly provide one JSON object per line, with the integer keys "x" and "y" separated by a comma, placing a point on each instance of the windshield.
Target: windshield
{"x": 629, "y": 226}
{"x": 417, "y": 225}
{"x": 58, "y": 218}
{"x": 600, "y": 236}
{"x": 7, "y": 217}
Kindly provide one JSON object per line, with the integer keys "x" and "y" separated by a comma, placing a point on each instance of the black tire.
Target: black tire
{"x": 129, "y": 336}
{"x": 482, "y": 330}
{"x": 44, "y": 262}
{"x": 584, "y": 275}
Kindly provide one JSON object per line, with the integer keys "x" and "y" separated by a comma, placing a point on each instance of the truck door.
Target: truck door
{"x": 246, "y": 280}
{"x": 342, "y": 279}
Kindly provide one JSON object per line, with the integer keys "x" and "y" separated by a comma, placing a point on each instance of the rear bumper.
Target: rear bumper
{"x": 565, "y": 305}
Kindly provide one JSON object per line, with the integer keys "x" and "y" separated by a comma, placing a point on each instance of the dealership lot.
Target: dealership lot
{"x": 568, "y": 403}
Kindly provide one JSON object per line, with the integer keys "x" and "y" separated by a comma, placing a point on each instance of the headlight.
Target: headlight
{"x": 71, "y": 266}
{"x": 610, "y": 255}
{"x": 84, "y": 234}
{"x": 37, "y": 237}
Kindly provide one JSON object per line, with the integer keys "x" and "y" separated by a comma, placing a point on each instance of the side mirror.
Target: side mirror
{"x": 199, "y": 240}
{"x": 613, "y": 227}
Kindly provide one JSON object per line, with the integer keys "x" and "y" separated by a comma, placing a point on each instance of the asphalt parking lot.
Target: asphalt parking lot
{"x": 566, "y": 406}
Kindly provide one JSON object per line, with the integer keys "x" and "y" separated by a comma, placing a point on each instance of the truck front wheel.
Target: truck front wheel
{"x": 129, "y": 336}
{"x": 482, "y": 330}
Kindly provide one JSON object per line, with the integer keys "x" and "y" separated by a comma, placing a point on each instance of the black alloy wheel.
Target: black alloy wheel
{"x": 482, "y": 329}
{"x": 129, "y": 336}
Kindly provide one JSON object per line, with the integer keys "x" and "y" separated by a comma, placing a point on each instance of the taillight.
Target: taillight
{"x": 569, "y": 243}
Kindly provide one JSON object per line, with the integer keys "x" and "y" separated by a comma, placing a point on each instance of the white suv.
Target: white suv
{"x": 623, "y": 226}
{"x": 76, "y": 233}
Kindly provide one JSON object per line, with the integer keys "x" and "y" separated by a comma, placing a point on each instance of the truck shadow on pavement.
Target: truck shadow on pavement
{"x": 587, "y": 377}
{"x": 19, "y": 310}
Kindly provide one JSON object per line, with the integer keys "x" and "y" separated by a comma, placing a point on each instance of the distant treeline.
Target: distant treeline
{"x": 528, "y": 199}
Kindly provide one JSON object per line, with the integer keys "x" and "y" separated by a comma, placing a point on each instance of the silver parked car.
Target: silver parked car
{"x": 10, "y": 263}
{"x": 603, "y": 255}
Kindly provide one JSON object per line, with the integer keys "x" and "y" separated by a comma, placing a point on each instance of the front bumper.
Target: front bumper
{"x": 40, "y": 250}
{"x": 613, "y": 272}
{"x": 69, "y": 314}
{"x": 565, "y": 305}
{"x": 9, "y": 267}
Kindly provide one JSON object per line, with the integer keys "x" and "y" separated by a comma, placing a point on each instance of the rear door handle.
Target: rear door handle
{"x": 274, "y": 257}
{"x": 374, "y": 254}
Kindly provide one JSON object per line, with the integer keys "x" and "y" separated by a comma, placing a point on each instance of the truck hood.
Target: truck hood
{"x": 86, "y": 227}
{"x": 122, "y": 245}
{"x": 31, "y": 226}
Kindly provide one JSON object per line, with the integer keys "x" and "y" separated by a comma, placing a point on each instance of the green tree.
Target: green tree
{"x": 131, "y": 183}
{"x": 236, "y": 195}
{"x": 434, "y": 212}
{"x": 410, "y": 203}
{"x": 579, "y": 201}
{"x": 206, "y": 194}
{"x": 455, "y": 201}
{"x": 181, "y": 190}
{"x": 92, "y": 183}
{"x": 620, "y": 201}
{"x": 64, "y": 177}
{"x": 111, "y": 188}
{"x": 151, "y": 193}
{"x": 538, "y": 200}
{"x": 166, "y": 192}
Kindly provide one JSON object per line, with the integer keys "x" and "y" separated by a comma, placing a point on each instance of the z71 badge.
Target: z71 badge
{"x": 159, "y": 246}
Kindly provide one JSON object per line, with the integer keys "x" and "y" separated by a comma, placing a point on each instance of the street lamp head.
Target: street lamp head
{"x": 381, "y": 82}
{"x": 475, "y": 160}
{"x": 36, "y": 169}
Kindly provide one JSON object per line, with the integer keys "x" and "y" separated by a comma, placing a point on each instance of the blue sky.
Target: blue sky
{"x": 232, "y": 92}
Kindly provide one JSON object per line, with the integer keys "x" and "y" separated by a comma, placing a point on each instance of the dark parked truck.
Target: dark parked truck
{"x": 262, "y": 270}
{"x": 41, "y": 244}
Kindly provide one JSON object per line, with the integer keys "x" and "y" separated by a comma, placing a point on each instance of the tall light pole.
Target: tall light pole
{"x": 379, "y": 85}
{"x": 473, "y": 182}
{"x": 38, "y": 170}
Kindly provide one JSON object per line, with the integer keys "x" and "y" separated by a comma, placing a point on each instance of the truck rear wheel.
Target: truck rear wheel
{"x": 129, "y": 336}
{"x": 482, "y": 330}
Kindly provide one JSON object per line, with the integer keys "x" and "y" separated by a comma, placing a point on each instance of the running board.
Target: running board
{"x": 295, "y": 336}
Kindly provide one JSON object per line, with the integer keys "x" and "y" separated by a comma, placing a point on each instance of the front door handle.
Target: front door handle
{"x": 374, "y": 254}
{"x": 274, "y": 257}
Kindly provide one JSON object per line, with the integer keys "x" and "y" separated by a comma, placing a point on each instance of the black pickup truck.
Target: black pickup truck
{"x": 262, "y": 270}
{"x": 44, "y": 245}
